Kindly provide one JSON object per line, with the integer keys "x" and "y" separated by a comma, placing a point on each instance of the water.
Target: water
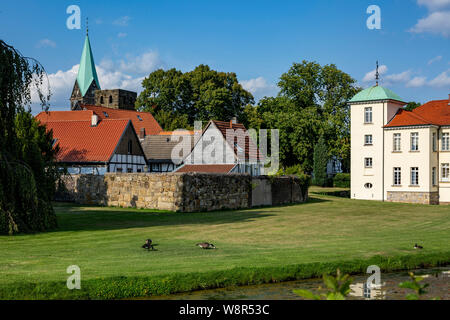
{"x": 437, "y": 278}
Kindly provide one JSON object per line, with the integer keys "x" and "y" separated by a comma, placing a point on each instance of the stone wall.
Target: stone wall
{"x": 413, "y": 197}
{"x": 184, "y": 192}
{"x": 267, "y": 191}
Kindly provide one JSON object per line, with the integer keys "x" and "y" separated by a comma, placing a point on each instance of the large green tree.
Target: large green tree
{"x": 27, "y": 170}
{"x": 312, "y": 102}
{"x": 201, "y": 94}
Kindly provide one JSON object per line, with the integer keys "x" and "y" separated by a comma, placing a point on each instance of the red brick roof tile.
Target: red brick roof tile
{"x": 80, "y": 142}
{"x": 146, "y": 122}
{"x": 435, "y": 112}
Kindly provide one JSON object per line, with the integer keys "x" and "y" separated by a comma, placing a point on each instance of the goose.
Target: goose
{"x": 206, "y": 245}
{"x": 148, "y": 244}
{"x": 416, "y": 246}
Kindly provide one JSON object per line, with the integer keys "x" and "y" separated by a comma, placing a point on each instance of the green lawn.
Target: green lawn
{"x": 106, "y": 242}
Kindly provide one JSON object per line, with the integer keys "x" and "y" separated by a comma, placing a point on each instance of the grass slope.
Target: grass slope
{"x": 105, "y": 244}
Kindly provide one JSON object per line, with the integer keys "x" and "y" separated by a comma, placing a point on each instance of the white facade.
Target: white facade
{"x": 400, "y": 163}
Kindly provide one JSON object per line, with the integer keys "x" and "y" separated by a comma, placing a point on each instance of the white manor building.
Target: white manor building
{"x": 399, "y": 155}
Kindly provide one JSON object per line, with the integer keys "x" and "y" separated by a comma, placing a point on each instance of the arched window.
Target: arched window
{"x": 101, "y": 100}
{"x": 110, "y": 99}
{"x": 368, "y": 186}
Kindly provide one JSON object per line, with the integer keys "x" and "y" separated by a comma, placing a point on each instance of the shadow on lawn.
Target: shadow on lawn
{"x": 76, "y": 217}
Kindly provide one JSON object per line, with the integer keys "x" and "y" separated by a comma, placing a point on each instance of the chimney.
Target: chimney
{"x": 449, "y": 99}
{"x": 142, "y": 133}
{"x": 233, "y": 121}
{"x": 94, "y": 120}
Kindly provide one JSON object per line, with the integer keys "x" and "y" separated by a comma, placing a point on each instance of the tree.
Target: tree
{"x": 26, "y": 180}
{"x": 201, "y": 94}
{"x": 320, "y": 163}
{"x": 412, "y": 105}
{"x": 312, "y": 102}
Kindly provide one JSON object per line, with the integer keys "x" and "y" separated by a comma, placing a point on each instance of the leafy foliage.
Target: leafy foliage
{"x": 312, "y": 102}
{"x": 201, "y": 94}
{"x": 338, "y": 288}
{"x": 342, "y": 180}
{"x": 412, "y": 105}
{"x": 27, "y": 176}
{"x": 414, "y": 284}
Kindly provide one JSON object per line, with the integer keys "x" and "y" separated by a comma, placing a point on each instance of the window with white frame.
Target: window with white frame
{"x": 414, "y": 176}
{"x": 368, "y": 140}
{"x": 446, "y": 141}
{"x": 397, "y": 176}
{"x": 433, "y": 176}
{"x": 368, "y": 115}
{"x": 434, "y": 142}
{"x": 368, "y": 163}
{"x": 397, "y": 142}
{"x": 445, "y": 172}
{"x": 415, "y": 141}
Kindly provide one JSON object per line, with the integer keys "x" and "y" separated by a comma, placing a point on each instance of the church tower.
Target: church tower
{"x": 87, "y": 81}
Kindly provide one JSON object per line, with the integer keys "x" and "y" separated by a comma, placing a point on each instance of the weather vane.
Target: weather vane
{"x": 377, "y": 75}
{"x": 87, "y": 26}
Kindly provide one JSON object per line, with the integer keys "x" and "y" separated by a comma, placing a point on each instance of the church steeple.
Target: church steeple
{"x": 87, "y": 80}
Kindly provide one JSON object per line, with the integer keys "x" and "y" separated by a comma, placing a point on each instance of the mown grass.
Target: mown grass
{"x": 254, "y": 246}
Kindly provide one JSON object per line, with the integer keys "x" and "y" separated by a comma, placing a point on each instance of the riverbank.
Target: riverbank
{"x": 254, "y": 246}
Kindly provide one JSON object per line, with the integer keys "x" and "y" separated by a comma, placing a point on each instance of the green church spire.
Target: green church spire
{"x": 87, "y": 72}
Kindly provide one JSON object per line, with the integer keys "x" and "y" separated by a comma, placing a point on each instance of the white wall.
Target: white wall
{"x": 382, "y": 113}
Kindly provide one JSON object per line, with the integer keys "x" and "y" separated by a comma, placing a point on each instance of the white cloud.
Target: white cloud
{"x": 122, "y": 21}
{"x": 441, "y": 80}
{"x": 45, "y": 43}
{"x": 370, "y": 76}
{"x": 399, "y": 77}
{"x": 436, "y": 23}
{"x": 435, "y": 59}
{"x": 416, "y": 82}
{"x": 121, "y": 35}
{"x": 433, "y": 5}
{"x": 259, "y": 87}
{"x": 144, "y": 63}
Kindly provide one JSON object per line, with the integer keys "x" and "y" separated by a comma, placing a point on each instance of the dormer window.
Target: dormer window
{"x": 368, "y": 115}
{"x": 105, "y": 114}
{"x": 139, "y": 117}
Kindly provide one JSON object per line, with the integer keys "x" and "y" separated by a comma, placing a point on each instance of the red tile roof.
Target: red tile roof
{"x": 80, "y": 142}
{"x": 148, "y": 122}
{"x": 64, "y": 115}
{"x": 207, "y": 168}
{"x": 251, "y": 150}
{"x": 435, "y": 112}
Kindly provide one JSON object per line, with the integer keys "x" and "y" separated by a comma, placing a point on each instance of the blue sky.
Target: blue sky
{"x": 258, "y": 40}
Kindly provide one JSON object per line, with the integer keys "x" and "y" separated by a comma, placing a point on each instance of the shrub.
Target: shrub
{"x": 342, "y": 180}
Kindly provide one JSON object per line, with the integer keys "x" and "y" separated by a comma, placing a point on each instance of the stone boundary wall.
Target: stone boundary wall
{"x": 413, "y": 197}
{"x": 181, "y": 192}
{"x": 272, "y": 191}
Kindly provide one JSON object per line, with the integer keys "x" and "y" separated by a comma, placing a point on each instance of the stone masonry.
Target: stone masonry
{"x": 413, "y": 197}
{"x": 182, "y": 192}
